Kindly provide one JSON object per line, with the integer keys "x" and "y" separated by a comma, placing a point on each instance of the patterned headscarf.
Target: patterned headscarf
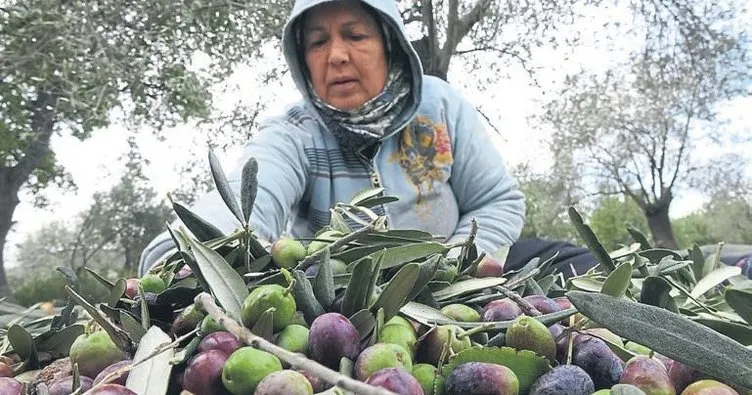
{"x": 364, "y": 126}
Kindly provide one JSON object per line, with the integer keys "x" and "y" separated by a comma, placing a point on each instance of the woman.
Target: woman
{"x": 370, "y": 118}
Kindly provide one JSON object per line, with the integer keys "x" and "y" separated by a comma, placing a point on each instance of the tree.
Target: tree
{"x": 610, "y": 219}
{"x": 67, "y": 65}
{"x": 547, "y": 198}
{"x": 638, "y": 129}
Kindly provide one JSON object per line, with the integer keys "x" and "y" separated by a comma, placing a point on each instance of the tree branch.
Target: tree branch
{"x": 296, "y": 361}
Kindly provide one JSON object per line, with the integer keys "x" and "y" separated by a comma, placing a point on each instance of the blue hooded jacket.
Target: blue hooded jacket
{"x": 440, "y": 163}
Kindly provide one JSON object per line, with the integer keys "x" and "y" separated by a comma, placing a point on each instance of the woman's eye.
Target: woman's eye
{"x": 358, "y": 37}
{"x": 316, "y": 44}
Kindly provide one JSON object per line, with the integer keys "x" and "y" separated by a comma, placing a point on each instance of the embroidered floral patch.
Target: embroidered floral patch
{"x": 425, "y": 153}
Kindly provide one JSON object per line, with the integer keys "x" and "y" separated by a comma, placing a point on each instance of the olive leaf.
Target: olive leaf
{"x": 714, "y": 278}
{"x": 625, "y": 251}
{"x": 248, "y": 187}
{"x": 377, "y": 201}
{"x": 592, "y": 241}
{"x": 428, "y": 269}
{"x": 741, "y": 301}
{"x": 656, "y": 291}
{"x": 396, "y": 291}
{"x": 264, "y": 326}
{"x": 638, "y": 237}
{"x": 337, "y": 222}
{"x": 59, "y": 343}
{"x": 423, "y": 314}
{"x": 740, "y": 333}
{"x": 107, "y": 283}
{"x": 145, "y": 316}
{"x": 151, "y": 373}
{"x": 396, "y": 256}
{"x": 670, "y": 334}
{"x": 364, "y": 322}
{"x": 698, "y": 259}
{"x": 116, "y": 292}
{"x": 23, "y": 344}
{"x": 223, "y": 187}
{"x": 203, "y": 230}
{"x": 618, "y": 281}
{"x": 351, "y": 255}
{"x": 365, "y": 195}
{"x": 135, "y": 330}
{"x": 586, "y": 283}
{"x": 323, "y": 283}
{"x": 223, "y": 281}
{"x": 361, "y": 285}
{"x": 656, "y": 254}
{"x": 305, "y": 300}
{"x": 529, "y": 267}
{"x": 118, "y": 336}
{"x": 467, "y": 286}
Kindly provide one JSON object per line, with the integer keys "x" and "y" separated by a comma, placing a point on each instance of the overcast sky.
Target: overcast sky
{"x": 508, "y": 102}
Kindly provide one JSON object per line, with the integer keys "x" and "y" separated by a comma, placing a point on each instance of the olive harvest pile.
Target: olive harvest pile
{"x": 364, "y": 309}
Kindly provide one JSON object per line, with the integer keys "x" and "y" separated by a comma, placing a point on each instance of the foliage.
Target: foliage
{"x": 50, "y": 287}
{"x": 638, "y": 127}
{"x": 610, "y": 218}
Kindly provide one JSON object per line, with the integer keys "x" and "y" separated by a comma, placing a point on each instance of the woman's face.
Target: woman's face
{"x": 344, "y": 52}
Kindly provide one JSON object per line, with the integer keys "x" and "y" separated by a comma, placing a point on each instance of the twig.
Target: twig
{"x": 205, "y": 302}
{"x": 311, "y": 259}
{"x": 125, "y": 369}
{"x": 524, "y": 304}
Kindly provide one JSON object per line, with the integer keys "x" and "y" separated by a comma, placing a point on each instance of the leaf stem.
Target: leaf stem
{"x": 515, "y": 297}
{"x": 205, "y": 301}
{"x": 311, "y": 259}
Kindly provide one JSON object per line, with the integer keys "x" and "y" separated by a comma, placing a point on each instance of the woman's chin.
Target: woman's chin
{"x": 347, "y": 103}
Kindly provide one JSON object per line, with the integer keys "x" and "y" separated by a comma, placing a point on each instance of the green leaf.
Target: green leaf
{"x": 145, "y": 316}
{"x": 116, "y": 292}
{"x": 360, "y": 287}
{"x": 118, "y": 336}
{"x": 532, "y": 288}
{"x": 428, "y": 269}
{"x": 353, "y": 254}
{"x": 264, "y": 326}
{"x": 545, "y": 319}
{"x": 656, "y": 291}
{"x": 698, "y": 259}
{"x": 224, "y": 282}
{"x": 638, "y": 236}
{"x": 588, "y": 283}
{"x": 323, "y": 284}
{"x": 670, "y": 334}
{"x": 396, "y": 291}
{"x": 668, "y": 265}
{"x": 305, "y": 298}
{"x": 151, "y": 376}
{"x": 23, "y": 344}
{"x": 249, "y": 187}
{"x": 741, "y": 301}
{"x": 526, "y": 365}
{"x": 592, "y": 241}
{"x": 107, "y": 283}
{"x": 396, "y": 256}
{"x": 715, "y": 278}
{"x": 203, "y": 230}
{"x": 656, "y": 254}
{"x": 377, "y": 201}
{"x": 618, "y": 281}
{"x": 526, "y": 270}
{"x": 423, "y": 314}
{"x": 364, "y": 322}
{"x": 223, "y": 187}
{"x": 135, "y": 330}
{"x": 546, "y": 283}
{"x": 365, "y": 195}
{"x": 467, "y": 286}
{"x": 740, "y": 333}
{"x": 338, "y": 223}
{"x": 625, "y": 251}
{"x": 59, "y": 343}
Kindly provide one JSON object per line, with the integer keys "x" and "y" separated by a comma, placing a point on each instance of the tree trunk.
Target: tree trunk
{"x": 8, "y": 202}
{"x": 431, "y": 62}
{"x": 42, "y": 122}
{"x": 660, "y": 226}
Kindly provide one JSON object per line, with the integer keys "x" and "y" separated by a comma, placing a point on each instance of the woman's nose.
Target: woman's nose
{"x": 338, "y": 52}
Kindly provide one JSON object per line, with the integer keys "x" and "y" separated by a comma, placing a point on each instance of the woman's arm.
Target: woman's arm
{"x": 485, "y": 191}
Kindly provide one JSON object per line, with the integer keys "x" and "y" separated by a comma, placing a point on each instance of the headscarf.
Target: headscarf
{"x": 363, "y": 127}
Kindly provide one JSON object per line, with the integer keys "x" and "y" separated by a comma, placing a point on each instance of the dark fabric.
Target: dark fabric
{"x": 572, "y": 260}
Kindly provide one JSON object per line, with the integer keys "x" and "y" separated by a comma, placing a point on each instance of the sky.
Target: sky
{"x": 509, "y": 102}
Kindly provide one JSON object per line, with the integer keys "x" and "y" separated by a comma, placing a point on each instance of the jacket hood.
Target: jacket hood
{"x": 389, "y": 12}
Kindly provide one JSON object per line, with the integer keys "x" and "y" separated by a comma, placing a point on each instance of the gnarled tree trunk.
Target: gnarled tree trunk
{"x": 660, "y": 226}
